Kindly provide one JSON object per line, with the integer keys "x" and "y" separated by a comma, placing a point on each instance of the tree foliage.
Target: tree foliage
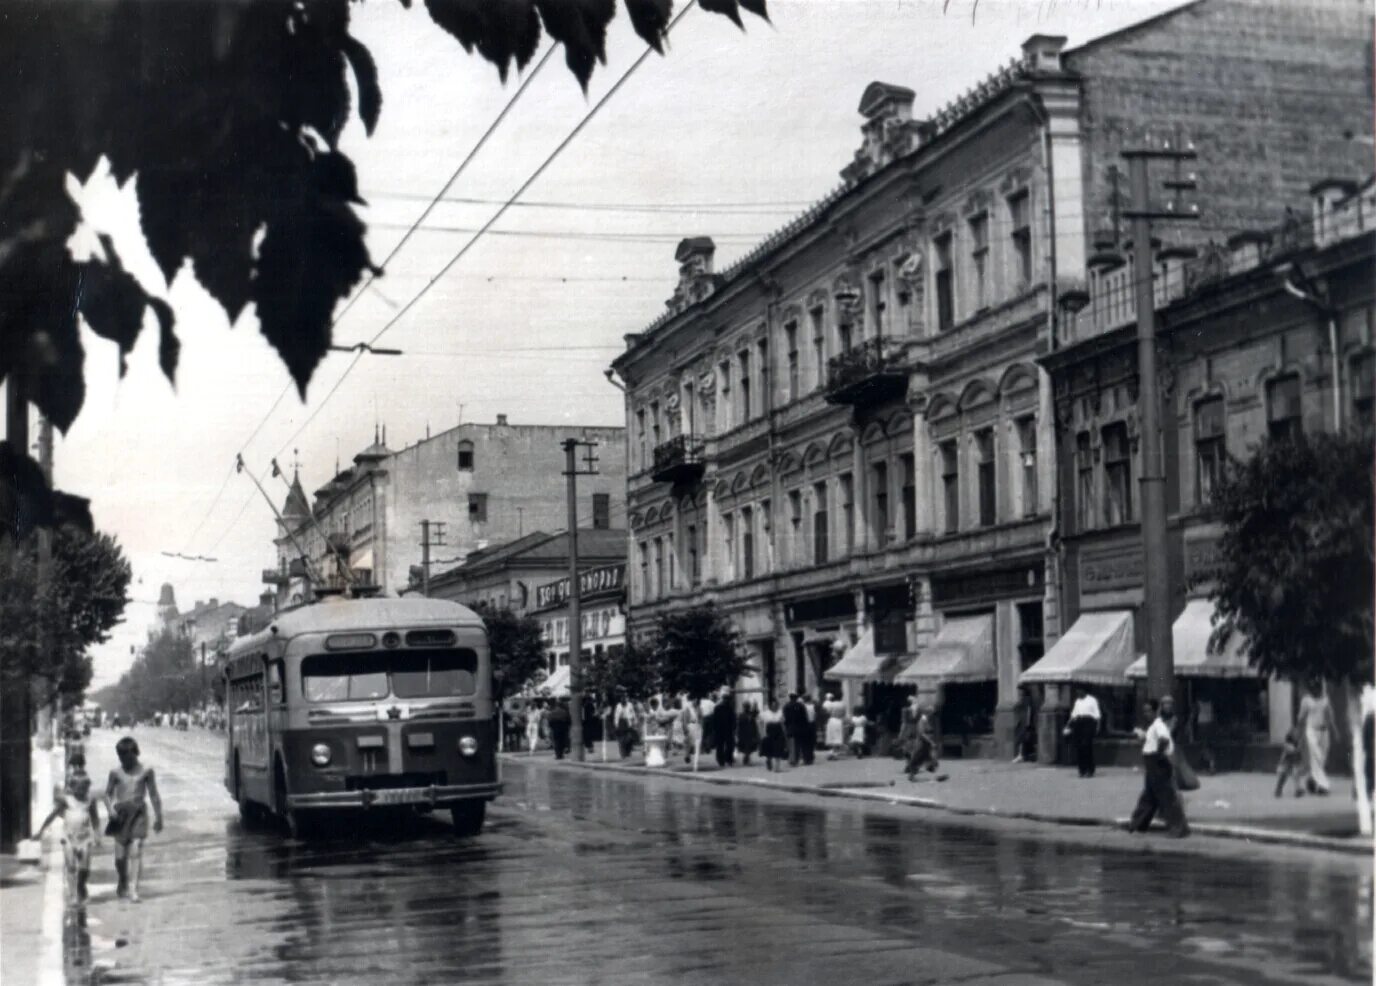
{"x": 226, "y": 115}
{"x": 48, "y": 625}
{"x": 697, "y": 651}
{"x": 630, "y": 671}
{"x": 1295, "y": 572}
{"x": 518, "y": 649}
{"x": 165, "y": 677}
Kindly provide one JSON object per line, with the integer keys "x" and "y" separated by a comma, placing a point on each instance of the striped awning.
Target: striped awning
{"x": 963, "y": 651}
{"x": 1096, "y": 650}
{"x": 1190, "y": 640}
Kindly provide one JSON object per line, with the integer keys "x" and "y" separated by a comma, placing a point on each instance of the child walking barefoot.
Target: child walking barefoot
{"x": 129, "y": 785}
{"x": 80, "y": 822}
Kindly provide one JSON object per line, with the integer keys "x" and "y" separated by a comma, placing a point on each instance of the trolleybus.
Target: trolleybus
{"x": 363, "y": 705}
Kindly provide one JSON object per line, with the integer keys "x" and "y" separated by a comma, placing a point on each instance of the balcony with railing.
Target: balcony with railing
{"x": 680, "y": 460}
{"x": 871, "y": 372}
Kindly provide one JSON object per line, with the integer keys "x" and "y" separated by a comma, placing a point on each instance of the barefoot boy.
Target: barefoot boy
{"x": 125, "y": 792}
{"x": 80, "y": 823}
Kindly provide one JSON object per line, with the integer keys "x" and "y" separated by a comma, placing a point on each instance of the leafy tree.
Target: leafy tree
{"x": 47, "y": 627}
{"x": 631, "y": 671}
{"x": 226, "y": 115}
{"x": 697, "y": 651}
{"x": 518, "y": 649}
{"x": 1295, "y": 573}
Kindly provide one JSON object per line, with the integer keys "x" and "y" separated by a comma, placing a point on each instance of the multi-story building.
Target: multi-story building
{"x": 209, "y": 625}
{"x": 1268, "y": 334}
{"x": 844, "y": 438}
{"x": 477, "y": 485}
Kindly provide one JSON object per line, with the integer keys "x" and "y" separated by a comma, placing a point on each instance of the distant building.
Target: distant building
{"x": 478, "y": 485}
{"x": 210, "y": 623}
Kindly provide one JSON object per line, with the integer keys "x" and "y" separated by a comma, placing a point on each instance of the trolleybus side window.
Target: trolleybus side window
{"x": 276, "y": 692}
{"x": 246, "y": 694}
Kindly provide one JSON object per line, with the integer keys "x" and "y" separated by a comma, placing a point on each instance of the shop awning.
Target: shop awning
{"x": 962, "y": 651}
{"x": 859, "y": 662}
{"x": 1190, "y": 638}
{"x": 557, "y": 684}
{"x": 1096, "y": 650}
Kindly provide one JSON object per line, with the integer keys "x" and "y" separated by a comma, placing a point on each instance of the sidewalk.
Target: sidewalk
{"x": 31, "y": 893}
{"x": 1236, "y": 805}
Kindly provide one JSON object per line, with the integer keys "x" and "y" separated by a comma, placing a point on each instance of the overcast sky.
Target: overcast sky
{"x": 729, "y": 136}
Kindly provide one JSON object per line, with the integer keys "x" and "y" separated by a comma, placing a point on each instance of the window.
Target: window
{"x": 747, "y": 543}
{"x": 659, "y": 568}
{"x": 671, "y": 560}
{"x": 847, "y": 485}
{"x": 909, "y": 496}
{"x": 466, "y": 456}
{"x": 744, "y": 359}
{"x": 879, "y": 477}
{"x": 979, "y": 257}
{"x": 878, "y": 303}
{"x": 819, "y": 344}
{"x": 1210, "y": 448}
{"x": 766, "y": 542}
{"x": 276, "y": 684}
{"x": 1020, "y": 221}
{"x": 843, "y": 337}
{"x": 724, "y": 409}
{"x": 728, "y": 527}
{"x": 1363, "y": 384}
{"x": 477, "y": 508}
{"x": 1283, "y": 407}
{"x": 819, "y": 524}
{"x": 1117, "y": 475}
{"x": 945, "y": 296}
{"x": 791, "y": 342}
{"x": 984, "y": 455}
{"x": 644, "y": 570}
{"x": 762, "y": 355}
{"x": 654, "y": 425}
{"x": 694, "y": 571}
{"x": 1027, "y": 459}
{"x": 1084, "y": 486}
{"x": 640, "y": 436}
{"x": 950, "y": 484}
{"x": 601, "y": 511}
{"x": 795, "y": 526}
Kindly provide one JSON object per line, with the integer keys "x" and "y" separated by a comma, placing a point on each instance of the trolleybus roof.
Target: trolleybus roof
{"x": 334, "y": 615}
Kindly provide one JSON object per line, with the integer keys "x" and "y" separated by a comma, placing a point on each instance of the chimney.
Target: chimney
{"x": 1042, "y": 52}
{"x": 501, "y": 419}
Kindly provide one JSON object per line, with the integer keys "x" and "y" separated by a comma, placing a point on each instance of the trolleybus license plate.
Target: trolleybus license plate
{"x": 402, "y": 796}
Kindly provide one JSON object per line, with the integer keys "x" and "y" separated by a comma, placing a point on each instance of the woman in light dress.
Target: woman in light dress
{"x": 835, "y": 735}
{"x": 1316, "y": 725}
{"x": 535, "y": 712}
{"x": 678, "y": 741}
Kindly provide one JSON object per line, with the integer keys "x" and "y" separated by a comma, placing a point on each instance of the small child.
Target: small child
{"x": 125, "y": 792}
{"x": 1290, "y": 764}
{"x": 80, "y": 823}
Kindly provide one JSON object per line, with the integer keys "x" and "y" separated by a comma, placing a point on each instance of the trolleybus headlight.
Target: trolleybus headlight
{"x": 320, "y": 755}
{"x": 468, "y": 746}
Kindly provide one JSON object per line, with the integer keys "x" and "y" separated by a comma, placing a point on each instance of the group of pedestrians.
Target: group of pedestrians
{"x": 129, "y": 789}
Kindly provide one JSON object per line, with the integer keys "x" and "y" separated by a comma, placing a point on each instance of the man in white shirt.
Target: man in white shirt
{"x": 1159, "y": 791}
{"x": 623, "y": 724}
{"x": 1082, "y": 728}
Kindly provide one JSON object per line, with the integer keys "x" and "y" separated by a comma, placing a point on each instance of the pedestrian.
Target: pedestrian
{"x": 534, "y": 713}
{"x": 691, "y": 718}
{"x": 130, "y": 787}
{"x": 1291, "y": 764}
{"x": 623, "y": 723}
{"x": 796, "y": 724}
{"x": 1316, "y": 727}
{"x": 924, "y": 747}
{"x": 560, "y": 722}
{"x": 1025, "y": 722}
{"x": 748, "y": 732}
{"x": 1159, "y": 792}
{"x": 80, "y": 831}
{"x": 592, "y": 725}
{"x": 774, "y": 747}
{"x": 678, "y": 737}
{"x": 834, "y": 732}
{"x": 724, "y": 730}
{"x": 705, "y": 709}
{"x": 809, "y": 744}
{"x": 1082, "y": 728}
{"x": 858, "y": 723}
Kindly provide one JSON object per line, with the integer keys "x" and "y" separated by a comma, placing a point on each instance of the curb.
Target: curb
{"x": 1303, "y": 840}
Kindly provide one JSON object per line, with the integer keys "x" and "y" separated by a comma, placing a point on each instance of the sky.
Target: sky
{"x": 730, "y": 136}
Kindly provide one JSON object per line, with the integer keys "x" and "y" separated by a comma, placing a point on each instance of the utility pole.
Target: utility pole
{"x": 15, "y": 715}
{"x": 571, "y": 470}
{"x": 1156, "y": 587}
{"x": 47, "y": 712}
{"x": 428, "y": 527}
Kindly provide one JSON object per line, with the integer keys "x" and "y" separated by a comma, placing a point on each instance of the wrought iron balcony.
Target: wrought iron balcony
{"x": 679, "y": 460}
{"x": 873, "y": 371}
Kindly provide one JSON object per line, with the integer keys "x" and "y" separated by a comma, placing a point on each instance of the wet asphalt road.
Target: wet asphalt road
{"x": 587, "y": 877}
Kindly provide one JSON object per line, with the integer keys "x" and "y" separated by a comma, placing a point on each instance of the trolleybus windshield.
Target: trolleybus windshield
{"x": 365, "y": 676}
